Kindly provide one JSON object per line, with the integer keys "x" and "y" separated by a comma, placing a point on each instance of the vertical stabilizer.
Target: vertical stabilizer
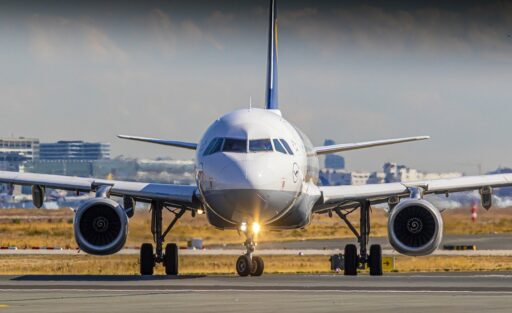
{"x": 271, "y": 96}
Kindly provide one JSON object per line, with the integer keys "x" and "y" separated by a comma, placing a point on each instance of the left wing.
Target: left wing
{"x": 363, "y": 145}
{"x": 333, "y": 196}
{"x": 143, "y": 192}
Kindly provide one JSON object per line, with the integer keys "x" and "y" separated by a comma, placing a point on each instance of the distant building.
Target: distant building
{"x": 331, "y": 177}
{"x": 13, "y": 151}
{"x": 333, "y": 161}
{"x": 74, "y": 150}
{"x": 401, "y": 173}
{"x": 79, "y": 168}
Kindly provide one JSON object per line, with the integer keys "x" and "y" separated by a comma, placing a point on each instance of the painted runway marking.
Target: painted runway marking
{"x": 262, "y": 291}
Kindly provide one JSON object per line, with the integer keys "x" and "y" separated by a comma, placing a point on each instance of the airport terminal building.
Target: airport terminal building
{"x": 74, "y": 150}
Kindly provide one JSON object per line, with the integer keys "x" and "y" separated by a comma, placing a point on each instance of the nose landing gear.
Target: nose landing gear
{"x": 249, "y": 264}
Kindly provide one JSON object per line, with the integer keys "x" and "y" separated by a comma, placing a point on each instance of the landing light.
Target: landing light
{"x": 243, "y": 227}
{"x": 256, "y": 228}
{"x": 200, "y": 211}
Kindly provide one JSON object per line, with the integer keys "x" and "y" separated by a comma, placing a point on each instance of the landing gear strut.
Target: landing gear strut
{"x": 353, "y": 261}
{"x": 148, "y": 259}
{"x": 249, "y": 264}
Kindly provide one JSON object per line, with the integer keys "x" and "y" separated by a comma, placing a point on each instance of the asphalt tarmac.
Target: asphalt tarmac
{"x": 482, "y": 242}
{"x": 453, "y": 292}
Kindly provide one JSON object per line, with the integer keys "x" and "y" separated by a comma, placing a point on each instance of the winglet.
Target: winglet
{"x": 179, "y": 144}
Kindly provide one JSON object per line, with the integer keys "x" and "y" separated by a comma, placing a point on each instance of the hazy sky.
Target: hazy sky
{"x": 349, "y": 70}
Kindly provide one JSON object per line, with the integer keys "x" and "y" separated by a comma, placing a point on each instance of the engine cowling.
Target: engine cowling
{"x": 415, "y": 227}
{"x": 101, "y": 226}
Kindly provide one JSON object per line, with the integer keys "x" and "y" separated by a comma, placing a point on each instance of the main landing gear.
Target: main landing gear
{"x": 148, "y": 258}
{"x": 353, "y": 261}
{"x": 249, "y": 264}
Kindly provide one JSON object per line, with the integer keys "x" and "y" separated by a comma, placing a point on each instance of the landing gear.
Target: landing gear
{"x": 249, "y": 264}
{"x": 257, "y": 266}
{"x": 244, "y": 265}
{"x": 171, "y": 259}
{"x": 353, "y": 261}
{"x": 350, "y": 260}
{"x": 148, "y": 259}
{"x": 375, "y": 261}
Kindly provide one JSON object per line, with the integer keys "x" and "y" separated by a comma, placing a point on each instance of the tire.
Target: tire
{"x": 375, "y": 260}
{"x": 147, "y": 259}
{"x": 171, "y": 259}
{"x": 350, "y": 260}
{"x": 243, "y": 265}
{"x": 258, "y": 266}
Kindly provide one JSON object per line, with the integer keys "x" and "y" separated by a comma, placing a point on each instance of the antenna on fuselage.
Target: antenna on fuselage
{"x": 250, "y": 102}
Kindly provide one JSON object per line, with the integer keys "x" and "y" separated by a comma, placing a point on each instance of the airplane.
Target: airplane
{"x": 255, "y": 171}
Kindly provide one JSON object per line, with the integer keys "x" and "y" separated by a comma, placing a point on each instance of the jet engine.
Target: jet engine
{"x": 415, "y": 227}
{"x": 101, "y": 226}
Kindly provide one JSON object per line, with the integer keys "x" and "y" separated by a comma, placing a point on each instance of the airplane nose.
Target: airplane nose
{"x": 248, "y": 188}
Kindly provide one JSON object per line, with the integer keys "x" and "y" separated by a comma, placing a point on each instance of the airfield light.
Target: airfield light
{"x": 243, "y": 227}
{"x": 256, "y": 227}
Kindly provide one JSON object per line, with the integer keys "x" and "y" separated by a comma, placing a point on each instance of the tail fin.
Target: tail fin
{"x": 271, "y": 97}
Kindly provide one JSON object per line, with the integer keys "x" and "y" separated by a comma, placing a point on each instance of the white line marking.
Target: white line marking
{"x": 261, "y": 290}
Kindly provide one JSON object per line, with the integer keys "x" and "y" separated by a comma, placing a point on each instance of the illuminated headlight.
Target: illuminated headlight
{"x": 243, "y": 227}
{"x": 256, "y": 228}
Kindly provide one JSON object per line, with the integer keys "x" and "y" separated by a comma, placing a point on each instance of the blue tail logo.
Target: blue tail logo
{"x": 272, "y": 96}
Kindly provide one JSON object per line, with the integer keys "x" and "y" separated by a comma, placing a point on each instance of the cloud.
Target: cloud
{"x": 162, "y": 30}
{"x": 54, "y": 39}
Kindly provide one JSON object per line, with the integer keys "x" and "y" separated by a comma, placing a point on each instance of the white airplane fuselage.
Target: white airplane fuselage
{"x": 254, "y": 166}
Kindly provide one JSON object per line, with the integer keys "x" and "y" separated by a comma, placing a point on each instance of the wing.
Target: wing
{"x": 348, "y": 195}
{"x": 173, "y": 143}
{"x": 170, "y": 194}
{"x": 366, "y": 144}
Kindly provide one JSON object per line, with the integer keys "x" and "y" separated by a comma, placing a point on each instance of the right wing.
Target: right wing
{"x": 179, "y": 144}
{"x": 177, "y": 195}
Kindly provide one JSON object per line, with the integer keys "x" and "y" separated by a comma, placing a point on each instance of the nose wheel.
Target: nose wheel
{"x": 249, "y": 264}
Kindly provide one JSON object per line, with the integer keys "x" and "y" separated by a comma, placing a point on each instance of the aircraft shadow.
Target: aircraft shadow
{"x": 102, "y": 278}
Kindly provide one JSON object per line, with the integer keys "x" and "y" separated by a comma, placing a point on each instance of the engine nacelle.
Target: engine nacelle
{"x": 415, "y": 227}
{"x": 101, "y": 226}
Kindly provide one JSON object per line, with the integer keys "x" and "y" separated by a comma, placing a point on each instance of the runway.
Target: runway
{"x": 483, "y": 242}
{"x": 487, "y": 245}
{"x": 454, "y": 292}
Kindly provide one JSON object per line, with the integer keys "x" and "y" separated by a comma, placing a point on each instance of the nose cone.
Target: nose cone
{"x": 249, "y": 187}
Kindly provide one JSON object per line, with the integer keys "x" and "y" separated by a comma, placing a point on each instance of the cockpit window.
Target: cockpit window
{"x": 260, "y": 145}
{"x": 278, "y": 146}
{"x": 286, "y": 146}
{"x": 235, "y": 145}
{"x": 214, "y": 146}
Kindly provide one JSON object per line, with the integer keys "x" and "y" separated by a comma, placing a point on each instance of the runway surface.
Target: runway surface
{"x": 483, "y": 242}
{"x": 454, "y": 292}
{"x": 493, "y": 244}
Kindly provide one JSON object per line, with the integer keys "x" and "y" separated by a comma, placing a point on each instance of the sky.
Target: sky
{"x": 348, "y": 70}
